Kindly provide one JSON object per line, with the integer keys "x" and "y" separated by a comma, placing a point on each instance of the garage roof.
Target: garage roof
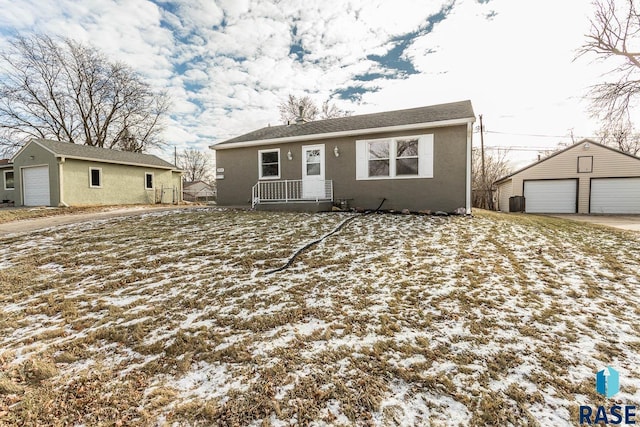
{"x": 583, "y": 141}
{"x": 98, "y": 154}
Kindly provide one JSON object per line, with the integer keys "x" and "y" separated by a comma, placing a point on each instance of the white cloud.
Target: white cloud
{"x": 227, "y": 64}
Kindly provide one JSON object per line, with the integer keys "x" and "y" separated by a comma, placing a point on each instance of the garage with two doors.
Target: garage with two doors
{"x": 586, "y": 177}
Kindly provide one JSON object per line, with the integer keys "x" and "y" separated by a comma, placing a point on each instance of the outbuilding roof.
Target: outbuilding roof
{"x": 86, "y": 152}
{"x": 557, "y": 153}
{"x": 441, "y": 114}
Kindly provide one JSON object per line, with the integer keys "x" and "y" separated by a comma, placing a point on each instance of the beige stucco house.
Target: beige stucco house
{"x": 586, "y": 177}
{"x": 415, "y": 159}
{"x": 52, "y": 173}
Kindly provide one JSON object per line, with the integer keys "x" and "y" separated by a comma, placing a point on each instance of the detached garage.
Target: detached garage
{"x": 586, "y": 177}
{"x": 55, "y": 173}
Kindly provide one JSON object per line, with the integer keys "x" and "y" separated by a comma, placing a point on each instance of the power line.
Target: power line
{"x": 498, "y": 148}
{"x": 536, "y": 135}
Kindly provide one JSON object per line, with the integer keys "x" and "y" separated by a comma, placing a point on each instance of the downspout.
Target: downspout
{"x": 469, "y": 154}
{"x": 61, "y": 182}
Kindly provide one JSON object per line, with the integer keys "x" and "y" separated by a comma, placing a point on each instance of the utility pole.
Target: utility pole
{"x": 484, "y": 190}
{"x": 175, "y": 156}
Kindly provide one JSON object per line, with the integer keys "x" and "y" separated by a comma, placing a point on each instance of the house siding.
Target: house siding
{"x": 505, "y": 190}
{"x": 445, "y": 191}
{"x": 121, "y": 184}
{"x": 606, "y": 164}
{"x": 6, "y": 194}
{"x": 41, "y": 157}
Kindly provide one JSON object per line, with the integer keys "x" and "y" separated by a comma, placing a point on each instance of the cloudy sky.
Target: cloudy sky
{"x": 228, "y": 63}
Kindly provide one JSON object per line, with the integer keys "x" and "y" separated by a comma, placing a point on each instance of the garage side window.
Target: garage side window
{"x": 95, "y": 177}
{"x": 148, "y": 181}
{"x": 8, "y": 180}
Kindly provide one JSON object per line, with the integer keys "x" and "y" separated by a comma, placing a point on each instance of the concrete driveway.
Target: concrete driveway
{"x": 625, "y": 222}
{"x": 28, "y": 225}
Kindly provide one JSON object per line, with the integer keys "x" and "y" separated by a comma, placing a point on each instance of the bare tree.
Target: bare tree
{"x": 331, "y": 111}
{"x": 63, "y": 90}
{"x": 621, "y": 135}
{"x": 196, "y": 165}
{"x": 295, "y": 108}
{"x": 303, "y": 108}
{"x": 496, "y": 166}
{"x": 614, "y": 37}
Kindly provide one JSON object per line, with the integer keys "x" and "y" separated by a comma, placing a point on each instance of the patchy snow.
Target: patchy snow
{"x": 395, "y": 320}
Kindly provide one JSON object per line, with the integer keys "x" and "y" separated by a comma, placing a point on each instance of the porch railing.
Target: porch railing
{"x": 291, "y": 190}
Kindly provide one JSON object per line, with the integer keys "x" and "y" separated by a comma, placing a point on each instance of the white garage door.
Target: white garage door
{"x": 615, "y": 195}
{"x": 35, "y": 182}
{"x": 551, "y": 196}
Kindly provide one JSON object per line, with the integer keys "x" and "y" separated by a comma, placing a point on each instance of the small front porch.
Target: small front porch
{"x": 293, "y": 195}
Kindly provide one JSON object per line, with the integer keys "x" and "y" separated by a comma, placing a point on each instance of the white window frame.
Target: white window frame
{"x": 100, "y": 177}
{"x": 271, "y": 150}
{"x": 425, "y": 157}
{"x": 5, "y": 180}
{"x": 153, "y": 181}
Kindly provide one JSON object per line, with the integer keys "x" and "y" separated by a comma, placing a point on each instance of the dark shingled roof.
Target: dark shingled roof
{"x": 67, "y": 149}
{"x": 433, "y": 113}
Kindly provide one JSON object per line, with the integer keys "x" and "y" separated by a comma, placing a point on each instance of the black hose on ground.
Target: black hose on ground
{"x": 315, "y": 242}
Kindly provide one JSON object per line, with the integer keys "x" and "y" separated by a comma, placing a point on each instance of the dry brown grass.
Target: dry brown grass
{"x": 396, "y": 320}
{"x": 17, "y": 214}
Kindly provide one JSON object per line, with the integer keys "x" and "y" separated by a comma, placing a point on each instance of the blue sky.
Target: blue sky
{"x": 228, "y": 63}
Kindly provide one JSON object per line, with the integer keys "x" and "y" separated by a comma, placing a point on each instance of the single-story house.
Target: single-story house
{"x": 194, "y": 191}
{"x": 53, "y": 173}
{"x": 415, "y": 159}
{"x": 7, "y": 188}
{"x": 586, "y": 177}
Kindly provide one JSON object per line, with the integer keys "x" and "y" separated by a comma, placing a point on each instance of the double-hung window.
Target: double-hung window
{"x": 269, "y": 164}
{"x": 379, "y": 158}
{"x": 407, "y": 159}
{"x": 395, "y": 158}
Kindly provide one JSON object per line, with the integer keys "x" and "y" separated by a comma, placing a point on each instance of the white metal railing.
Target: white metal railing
{"x": 291, "y": 190}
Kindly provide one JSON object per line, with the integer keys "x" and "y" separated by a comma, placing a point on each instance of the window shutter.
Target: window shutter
{"x": 425, "y": 156}
{"x": 361, "y": 160}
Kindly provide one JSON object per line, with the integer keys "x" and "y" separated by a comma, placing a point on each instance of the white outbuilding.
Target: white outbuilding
{"x": 584, "y": 178}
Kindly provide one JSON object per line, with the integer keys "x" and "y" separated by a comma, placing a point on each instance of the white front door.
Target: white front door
{"x": 313, "y": 172}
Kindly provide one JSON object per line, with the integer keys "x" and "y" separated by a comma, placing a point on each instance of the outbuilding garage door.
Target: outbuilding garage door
{"x": 551, "y": 196}
{"x": 35, "y": 182}
{"x": 615, "y": 196}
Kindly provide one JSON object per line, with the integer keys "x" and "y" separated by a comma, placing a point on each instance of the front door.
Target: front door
{"x": 313, "y": 172}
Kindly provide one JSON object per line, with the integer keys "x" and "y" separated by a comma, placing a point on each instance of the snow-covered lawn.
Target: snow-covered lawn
{"x": 169, "y": 318}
